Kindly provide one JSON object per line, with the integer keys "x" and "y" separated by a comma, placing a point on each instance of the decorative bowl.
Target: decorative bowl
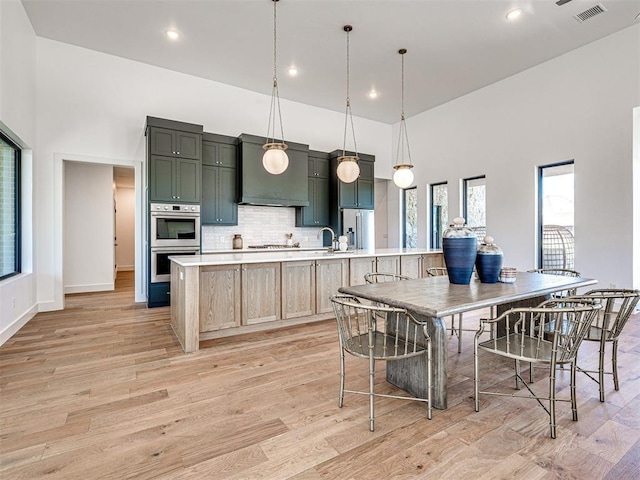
{"x": 508, "y": 275}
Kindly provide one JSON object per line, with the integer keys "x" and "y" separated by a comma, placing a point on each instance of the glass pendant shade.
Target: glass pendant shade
{"x": 403, "y": 176}
{"x": 275, "y": 160}
{"x": 348, "y": 170}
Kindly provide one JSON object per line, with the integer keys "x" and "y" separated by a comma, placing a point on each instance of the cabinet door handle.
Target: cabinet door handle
{"x": 178, "y": 153}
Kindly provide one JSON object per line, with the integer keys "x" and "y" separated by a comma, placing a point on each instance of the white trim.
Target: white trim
{"x": 126, "y": 268}
{"x": 94, "y": 287}
{"x": 58, "y": 224}
{"x": 20, "y": 322}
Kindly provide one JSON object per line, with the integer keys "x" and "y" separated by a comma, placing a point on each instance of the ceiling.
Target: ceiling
{"x": 454, "y": 46}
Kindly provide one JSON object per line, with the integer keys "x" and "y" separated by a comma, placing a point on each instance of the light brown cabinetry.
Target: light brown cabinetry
{"x": 358, "y": 267}
{"x": 260, "y": 293}
{"x": 220, "y": 297}
{"x": 298, "y": 289}
{"x": 330, "y": 276}
{"x": 388, "y": 264}
{"x": 411, "y": 266}
{"x": 431, "y": 260}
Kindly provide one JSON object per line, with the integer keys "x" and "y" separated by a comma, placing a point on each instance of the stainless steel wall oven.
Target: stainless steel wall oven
{"x": 160, "y": 264}
{"x": 174, "y": 225}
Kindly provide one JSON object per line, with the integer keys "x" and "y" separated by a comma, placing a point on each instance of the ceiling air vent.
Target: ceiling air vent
{"x": 590, "y": 13}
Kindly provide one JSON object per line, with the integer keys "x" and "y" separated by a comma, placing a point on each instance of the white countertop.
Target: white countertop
{"x": 266, "y": 256}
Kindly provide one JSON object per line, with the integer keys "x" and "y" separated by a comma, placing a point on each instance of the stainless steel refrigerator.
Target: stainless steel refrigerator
{"x": 359, "y": 227}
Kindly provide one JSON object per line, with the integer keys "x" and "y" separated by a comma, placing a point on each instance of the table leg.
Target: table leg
{"x": 411, "y": 375}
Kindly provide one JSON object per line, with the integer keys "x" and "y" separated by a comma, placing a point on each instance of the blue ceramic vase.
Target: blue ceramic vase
{"x": 459, "y": 257}
{"x": 459, "y": 245}
{"x": 488, "y": 261}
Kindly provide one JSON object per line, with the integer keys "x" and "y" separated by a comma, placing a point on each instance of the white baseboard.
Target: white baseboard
{"x": 96, "y": 287}
{"x": 20, "y": 322}
{"x": 126, "y": 268}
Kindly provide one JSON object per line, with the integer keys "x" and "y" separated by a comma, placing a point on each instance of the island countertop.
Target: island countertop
{"x": 209, "y": 259}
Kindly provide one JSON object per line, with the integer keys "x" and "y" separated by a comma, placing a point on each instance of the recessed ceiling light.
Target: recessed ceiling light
{"x": 293, "y": 71}
{"x": 513, "y": 14}
{"x": 373, "y": 94}
{"x": 172, "y": 34}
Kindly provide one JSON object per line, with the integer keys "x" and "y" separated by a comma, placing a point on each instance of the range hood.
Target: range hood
{"x": 259, "y": 187}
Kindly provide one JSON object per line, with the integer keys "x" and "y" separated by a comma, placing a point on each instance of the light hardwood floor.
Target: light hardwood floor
{"x": 102, "y": 390}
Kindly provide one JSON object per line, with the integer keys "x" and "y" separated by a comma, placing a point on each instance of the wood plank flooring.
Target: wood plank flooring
{"x": 103, "y": 390}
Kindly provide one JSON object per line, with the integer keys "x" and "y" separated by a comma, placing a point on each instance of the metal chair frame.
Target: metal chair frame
{"x": 563, "y": 272}
{"x": 384, "y": 277}
{"x": 526, "y": 339}
{"x": 618, "y": 304}
{"x": 362, "y": 333}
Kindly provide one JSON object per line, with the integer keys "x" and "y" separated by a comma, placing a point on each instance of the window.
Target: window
{"x": 410, "y": 214}
{"x": 474, "y": 207}
{"x": 556, "y": 210}
{"x": 9, "y": 208}
{"x": 439, "y": 212}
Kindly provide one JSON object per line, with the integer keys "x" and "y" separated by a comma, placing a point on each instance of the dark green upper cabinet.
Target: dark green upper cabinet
{"x": 174, "y": 180}
{"x": 219, "y": 180}
{"x": 259, "y": 187}
{"x": 166, "y": 142}
{"x": 317, "y": 213}
{"x": 174, "y": 151}
{"x": 358, "y": 194}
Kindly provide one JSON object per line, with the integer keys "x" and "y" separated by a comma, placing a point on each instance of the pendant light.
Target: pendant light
{"x": 403, "y": 177}
{"x": 275, "y": 159}
{"x": 348, "y": 169}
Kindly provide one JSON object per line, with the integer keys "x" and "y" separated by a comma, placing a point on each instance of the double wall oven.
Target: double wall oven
{"x": 174, "y": 230}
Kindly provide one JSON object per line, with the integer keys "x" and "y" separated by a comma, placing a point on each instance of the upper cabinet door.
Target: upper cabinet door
{"x": 161, "y": 171}
{"x": 188, "y": 145}
{"x": 162, "y": 141}
{"x": 187, "y": 180}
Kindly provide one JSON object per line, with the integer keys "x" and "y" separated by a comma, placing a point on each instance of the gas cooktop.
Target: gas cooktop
{"x": 273, "y": 246}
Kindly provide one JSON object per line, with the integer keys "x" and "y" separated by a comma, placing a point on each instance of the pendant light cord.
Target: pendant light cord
{"x": 275, "y": 94}
{"x": 403, "y": 137}
{"x": 347, "y": 114}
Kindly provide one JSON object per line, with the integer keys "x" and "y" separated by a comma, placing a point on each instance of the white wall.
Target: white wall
{"x": 125, "y": 227}
{"x": 94, "y": 105}
{"x": 18, "y": 301}
{"x": 88, "y": 227}
{"x": 578, "y": 106}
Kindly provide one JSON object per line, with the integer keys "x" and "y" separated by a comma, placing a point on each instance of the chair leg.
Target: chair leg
{"x": 574, "y": 403}
{"x": 552, "y": 400}
{"x": 614, "y": 364}
{"x": 475, "y": 374}
{"x": 517, "y": 368}
{"x": 371, "y": 396}
{"x": 601, "y": 370}
{"x": 341, "y": 399}
{"x": 429, "y": 381}
{"x": 459, "y": 332}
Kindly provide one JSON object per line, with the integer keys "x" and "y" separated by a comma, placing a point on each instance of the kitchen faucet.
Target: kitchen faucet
{"x": 333, "y": 236}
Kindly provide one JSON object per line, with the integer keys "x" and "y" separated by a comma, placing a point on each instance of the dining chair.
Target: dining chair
{"x": 384, "y": 277}
{"x": 563, "y": 272}
{"x": 442, "y": 272}
{"x": 397, "y": 337}
{"x": 525, "y": 339}
{"x": 618, "y": 305}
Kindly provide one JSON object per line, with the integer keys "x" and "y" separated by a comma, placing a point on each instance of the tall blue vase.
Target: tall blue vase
{"x": 460, "y": 257}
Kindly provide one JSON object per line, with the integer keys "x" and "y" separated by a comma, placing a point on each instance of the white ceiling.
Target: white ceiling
{"x": 454, "y": 46}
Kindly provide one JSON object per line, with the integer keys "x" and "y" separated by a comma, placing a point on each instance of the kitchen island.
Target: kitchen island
{"x": 220, "y": 295}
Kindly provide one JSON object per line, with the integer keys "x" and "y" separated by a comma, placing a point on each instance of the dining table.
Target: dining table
{"x": 431, "y": 299}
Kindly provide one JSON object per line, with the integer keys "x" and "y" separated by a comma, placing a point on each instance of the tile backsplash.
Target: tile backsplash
{"x": 258, "y": 226}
